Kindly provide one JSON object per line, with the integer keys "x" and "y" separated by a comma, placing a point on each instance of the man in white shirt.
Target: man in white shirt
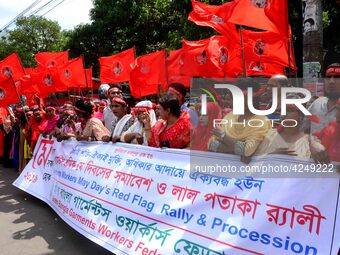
{"x": 109, "y": 118}
{"x": 325, "y": 107}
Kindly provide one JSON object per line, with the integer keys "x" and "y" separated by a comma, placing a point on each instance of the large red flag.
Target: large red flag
{"x": 116, "y": 68}
{"x": 8, "y": 94}
{"x": 215, "y": 16}
{"x": 11, "y": 67}
{"x": 174, "y": 65}
{"x": 148, "y": 73}
{"x": 269, "y": 15}
{"x": 196, "y": 60}
{"x": 268, "y": 47}
{"x": 51, "y": 59}
{"x": 72, "y": 73}
{"x": 47, "y": 82}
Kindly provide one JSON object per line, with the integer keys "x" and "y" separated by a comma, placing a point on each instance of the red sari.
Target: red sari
{"x": 177, "y": 136}
{"x": 36, "y": 130}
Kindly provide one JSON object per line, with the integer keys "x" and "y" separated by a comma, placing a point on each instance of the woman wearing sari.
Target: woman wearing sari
{"x": 235, "y": 135}
{"x": 36, "y": 126}
{"x": 52, "y": 120}
{"x": 173, "y": 129}
{"x": 202, "y": 134}
{"x": 136, "y": 133}
{"x": 91, "y": 127}
{"x": 124, "y": 120}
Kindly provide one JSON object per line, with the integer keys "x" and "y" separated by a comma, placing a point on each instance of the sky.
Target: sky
{"x": 68, "y": 14}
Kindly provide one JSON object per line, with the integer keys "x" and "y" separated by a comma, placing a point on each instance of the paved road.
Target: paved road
{"x": 29, "y": 227}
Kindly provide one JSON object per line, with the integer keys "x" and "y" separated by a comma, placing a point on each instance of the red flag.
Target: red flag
{"x": 223, "y": 53}
{"x": 262, "y": 14}
{"x": 277, "y": 12}
{"x": 47, "y": 82}
{"x": 267, "y": 47}
{"x": 214, "y": 16}
{"x": 89, "y": 77}
{"x": 72, "y": 73}
{"x": 148, "y": 73}
{"x": 116, "y": 68}
{"x": 51, "y": 59}
{"x": 174, "y": 65}
{"x": 11, "y": 67}
{"x": 196, "y": 60}
{"x": 8, "y": 94}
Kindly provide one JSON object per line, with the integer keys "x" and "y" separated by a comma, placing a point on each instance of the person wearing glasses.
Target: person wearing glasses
{"x": 109, "y": 119}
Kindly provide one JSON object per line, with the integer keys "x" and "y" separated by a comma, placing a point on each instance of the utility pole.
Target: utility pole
{"x": 312, "y": 40}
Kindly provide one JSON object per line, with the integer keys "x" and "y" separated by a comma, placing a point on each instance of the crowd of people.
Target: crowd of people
{"x": 171, "y": 123}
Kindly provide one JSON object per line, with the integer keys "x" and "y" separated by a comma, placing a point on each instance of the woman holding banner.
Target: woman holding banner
{"x": 173, "y": 129}
{"x": 91, "y": 127}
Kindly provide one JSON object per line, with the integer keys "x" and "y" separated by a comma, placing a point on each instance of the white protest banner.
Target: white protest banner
{"x": 140, "y": 200}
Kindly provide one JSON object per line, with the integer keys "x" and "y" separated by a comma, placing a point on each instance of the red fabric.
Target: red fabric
{"x": 47, "y": 82}
{"x": 258, "y": 68}
{"x": 222, "y": 52}
{"x": 89, "y": 77}
{"x": 214, "y": 16}
{"x": 196, "y": 60}
{"x": 51, "y": 123}
{"x": 268, "y": 47}
{"x": 51, "y": 59}
{"x": 277, "y": 12}
{"x": 202, "y": 134}
{"x": 36, "y": 129}
{"x": 117, "y": 68}
{"x": 178, "y": 135}
{"x": 330, "y": 139}
{"x": 148, "y": 73}
{"x": 8, "y": 93}
{"x": 271, "y": 17}
{"x": 72, "y": 73}
{"x": 11, "y": 67}
{"x": 174, "y": 65}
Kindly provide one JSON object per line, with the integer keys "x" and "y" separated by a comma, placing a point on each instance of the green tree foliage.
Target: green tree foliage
{"x": 32, "y": 35}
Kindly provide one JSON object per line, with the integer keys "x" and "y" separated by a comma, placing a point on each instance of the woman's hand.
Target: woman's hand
{"x": 106, "y": 138}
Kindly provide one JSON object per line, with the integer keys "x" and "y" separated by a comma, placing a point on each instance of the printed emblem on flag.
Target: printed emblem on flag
{"x": 67, "y": 74}
{"x": 181, "y": 62}
{"x": 223, "y": 56}
{"x": 6, "y": 72}
{"x": 259, "y": 47}
{"x": 47, "y": 80}
{"x": 50, "y": 63}
{"x": 217, "y": 19}
{"x": 118, "y": 68}
{"x": 259, "y": 3}
{"x": 144, "y": 69}
{"x": 202, "y": 58}
{"x": 256, "y": 66}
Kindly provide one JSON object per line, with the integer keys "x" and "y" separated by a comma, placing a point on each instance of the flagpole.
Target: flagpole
{"x": 87, "y": 85}
{"x": 243, "y": 55}
{"x": 16, "y": 90}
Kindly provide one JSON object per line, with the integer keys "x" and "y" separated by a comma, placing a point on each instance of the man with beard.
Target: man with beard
{"x": 325, "y": 107}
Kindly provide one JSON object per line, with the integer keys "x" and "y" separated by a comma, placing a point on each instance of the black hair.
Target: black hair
{"x": 179, "y": 87}
{"x": 84, "y": 106}
{"x": 115, "y": 86}
{"x": 172, "y": 103}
